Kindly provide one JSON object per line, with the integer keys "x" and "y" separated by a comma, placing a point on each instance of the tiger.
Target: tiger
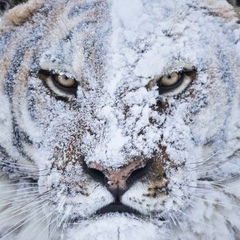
{"x": 119, "y": 120}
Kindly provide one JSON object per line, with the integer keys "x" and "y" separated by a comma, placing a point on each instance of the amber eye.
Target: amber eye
{"x": 61, "y": 84}
{"x": 170, "y": 79}
{"x": 174, "y": 82}
{"x": 65, "y": 81}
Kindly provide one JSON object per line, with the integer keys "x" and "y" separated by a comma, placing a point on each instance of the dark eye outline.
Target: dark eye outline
{"x": 53, "y": 77}
{"x": 181, "y": 75}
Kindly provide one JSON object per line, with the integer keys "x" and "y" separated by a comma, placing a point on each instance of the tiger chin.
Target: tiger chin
{"x": 119, "y": 120}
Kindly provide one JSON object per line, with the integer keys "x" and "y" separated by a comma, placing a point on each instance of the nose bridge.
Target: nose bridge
{"x": 117, "y": 179}
{"x": 108, "y": 139}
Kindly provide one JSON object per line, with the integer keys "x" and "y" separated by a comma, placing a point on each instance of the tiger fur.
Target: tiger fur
{"x": 119, "y": 120}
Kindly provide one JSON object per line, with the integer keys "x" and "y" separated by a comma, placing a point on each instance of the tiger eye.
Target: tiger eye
{"x": 65, "y": 81}
{"x": 170, "y": 79}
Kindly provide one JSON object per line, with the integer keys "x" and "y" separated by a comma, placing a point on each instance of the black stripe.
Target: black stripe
{"x": 84, "y": 25}
{"x": 31, "y": 102}
{"x": 28, "y": 42}
{"x": 79, "y": 28}
{"x": 20, "y": 137}
{"x": 3, "y": 156}
{"x": 11, "y": 167}
{"x": 6, "y": 162}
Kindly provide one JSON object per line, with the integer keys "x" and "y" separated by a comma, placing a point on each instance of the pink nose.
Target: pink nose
{"x": 121, "y": 179}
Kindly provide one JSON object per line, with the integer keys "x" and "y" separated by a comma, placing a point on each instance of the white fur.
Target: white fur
{"x": 130, "y": 44}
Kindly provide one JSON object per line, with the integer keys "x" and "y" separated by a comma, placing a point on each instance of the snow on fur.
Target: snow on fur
{"x": 114, "y": 49}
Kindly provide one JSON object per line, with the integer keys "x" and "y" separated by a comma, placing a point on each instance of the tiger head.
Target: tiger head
{"x": 120, "y": 119}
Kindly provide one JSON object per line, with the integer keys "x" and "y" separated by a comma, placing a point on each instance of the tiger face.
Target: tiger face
{"x": 120, "y": 120}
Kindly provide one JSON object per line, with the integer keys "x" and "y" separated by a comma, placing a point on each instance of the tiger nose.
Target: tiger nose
{"x": 118, "y": 181}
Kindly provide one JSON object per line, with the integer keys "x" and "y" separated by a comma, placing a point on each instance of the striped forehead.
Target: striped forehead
{"x": 84, "y": 36}
{"x": 93, "y": 32}
{"x": 68, "y": 20}
{"x": 75, "y": 38}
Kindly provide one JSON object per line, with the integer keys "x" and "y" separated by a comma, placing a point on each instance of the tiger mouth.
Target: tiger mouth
{"x": 117, "y": 208}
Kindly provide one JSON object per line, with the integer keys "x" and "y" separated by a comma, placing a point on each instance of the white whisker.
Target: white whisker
{"x": 48, "y": 226}
{"x": 24, "y": 220}
{"x": 18, "y": 210}
{"x": 39, "y": 221}
{"x": 24, "y": 191}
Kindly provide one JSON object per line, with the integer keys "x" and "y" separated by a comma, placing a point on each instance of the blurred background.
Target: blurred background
{"x": 235, "y": 3}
